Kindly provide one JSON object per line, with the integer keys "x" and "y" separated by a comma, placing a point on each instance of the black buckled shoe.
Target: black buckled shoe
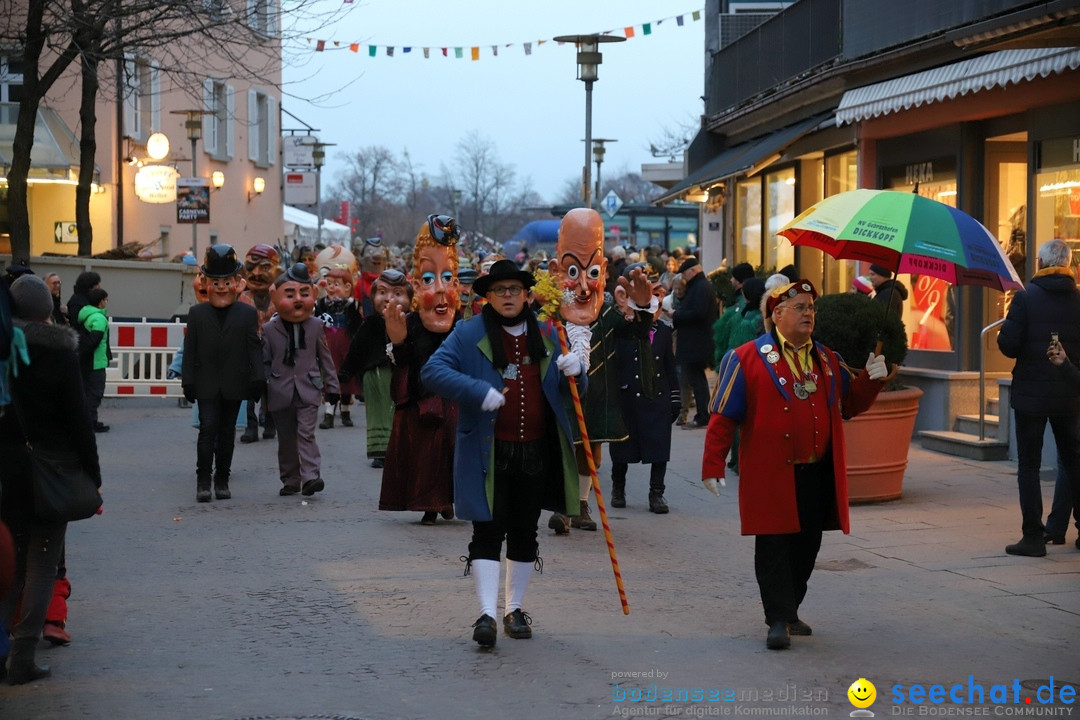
{"x": 778, "y": 637}
{"x": 516, "y": 625}
{"x": 559, "y": 523}
{"x": 798, "y": 627}
{"x": 485, "y": 632}
{"x": 288, "y": 490}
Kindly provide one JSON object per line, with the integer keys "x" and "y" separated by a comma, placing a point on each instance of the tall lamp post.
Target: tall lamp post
{"x": 588, "y": 64}
{"x": 598, "y": 151}
{"x": 318, "y": 158}
{"x": 193, "y": 125}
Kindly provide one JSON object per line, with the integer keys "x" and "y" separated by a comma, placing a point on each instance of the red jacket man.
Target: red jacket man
{"x": 788, "y": 396}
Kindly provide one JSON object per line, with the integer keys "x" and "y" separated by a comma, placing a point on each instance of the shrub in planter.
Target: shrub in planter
{"x": 852, "y": 323}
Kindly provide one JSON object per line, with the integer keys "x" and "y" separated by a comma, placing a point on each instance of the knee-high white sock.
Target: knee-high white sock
{"x": 584, "y": 487}
{"x": 517, "y": 582}
{"x": 486, "y": 573}
{"x": 329, "y": 408}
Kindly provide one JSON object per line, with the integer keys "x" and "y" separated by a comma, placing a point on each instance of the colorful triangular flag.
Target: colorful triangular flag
{"x": 389, "y": 51}
{"x": 528, "y": 48}
{"x": 628, "y": 31}
{"x": 320, "y": 46}
{"x": 355, "y": 47}
{"x": 475, "y": 52}
{"x": 371, "y": 50}
{"x": 679, "y": 21}
{"x": 646, "y": 29}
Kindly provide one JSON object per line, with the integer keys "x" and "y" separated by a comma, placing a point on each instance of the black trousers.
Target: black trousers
{"x": 783, "y": 563}
{"x": 520, "y": 469}
{"x": 217, "y": 437}
{"x": 656, "y": 476}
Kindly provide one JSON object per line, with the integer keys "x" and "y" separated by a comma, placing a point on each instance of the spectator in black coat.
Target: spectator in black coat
{"x": 889, "y": 292}
{"x": 693, "y": 343}
{"x": 1046, "y": 312}
{"x": 86, "y": 282}
{"x": 50, "y": 411}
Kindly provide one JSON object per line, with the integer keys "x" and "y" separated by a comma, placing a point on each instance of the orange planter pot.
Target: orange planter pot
{"x": 877, "y": 445}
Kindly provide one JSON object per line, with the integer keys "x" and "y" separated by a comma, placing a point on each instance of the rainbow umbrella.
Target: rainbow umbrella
{"x": 906, "y": 233}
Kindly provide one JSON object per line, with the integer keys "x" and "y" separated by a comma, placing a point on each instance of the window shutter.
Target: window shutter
{"x": 271, "y": 130}
{"x": 210, "y": 124}
{"x": 273, "y": 17}
{"x": 229, "y": 124}
{"x": 254, "y": 127}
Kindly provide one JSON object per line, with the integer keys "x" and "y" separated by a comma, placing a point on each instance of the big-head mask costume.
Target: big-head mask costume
{"x": 294, "y": 294}
{"x": 262, "y": 265}
{"x": 434, "y": 279}
{"x": 222, "y": 271}
{"x": 579, "y": 265}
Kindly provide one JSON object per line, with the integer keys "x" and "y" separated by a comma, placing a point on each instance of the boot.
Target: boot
{"x": 327, "y": 421}
{"x": 346, "y": 418}
{"x": 251, "y": 434}
{"x": 559, "y": 523}
{"x": 657, "y": 503}
{"x": 583, "y": 521}
{"x": 202, "y": 489}
{"x": 618, "y": 484}
{"x": 21, "y": 667}
{"x": 221, "y": 488}
{"x": 1029, "y": 545}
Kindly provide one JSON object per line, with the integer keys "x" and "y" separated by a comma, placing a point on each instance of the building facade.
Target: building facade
{"x": 224, "y": 94}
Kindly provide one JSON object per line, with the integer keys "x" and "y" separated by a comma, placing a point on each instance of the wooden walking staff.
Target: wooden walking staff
{"x": 564, "y": 346}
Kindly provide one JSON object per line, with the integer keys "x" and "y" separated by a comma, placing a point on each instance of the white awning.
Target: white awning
{"x": 302, "y": 227}
{"x": 997, "y": 69}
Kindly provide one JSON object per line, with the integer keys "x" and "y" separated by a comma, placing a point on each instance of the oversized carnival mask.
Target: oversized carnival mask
{"x": 434, "y": 280}
{"x": 374, "y": 257}
{"x": 262, "y": 265}
{"x": 391, "y": 287}
{"x": 336, "y": 258}
{"x": 294, "y": 294}
{"x": 579, "y": 265}
{"x": 222, "y": 272}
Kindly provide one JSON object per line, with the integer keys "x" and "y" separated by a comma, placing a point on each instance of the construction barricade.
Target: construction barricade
{"x": 142, "y": 352}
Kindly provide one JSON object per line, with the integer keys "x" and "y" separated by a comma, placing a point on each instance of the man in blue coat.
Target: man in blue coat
{"x": 513, "y": 455}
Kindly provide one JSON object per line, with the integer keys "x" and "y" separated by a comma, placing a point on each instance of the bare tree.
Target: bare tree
{"x": 241, "y": 37}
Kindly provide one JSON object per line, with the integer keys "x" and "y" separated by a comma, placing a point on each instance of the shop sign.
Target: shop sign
{"x": 156, "y": 184}
{"x": 300, "y": 188}
{"x": 922, "y": 172}
{"x": 1059, "y": 152}
{"x": 193, "y": 201}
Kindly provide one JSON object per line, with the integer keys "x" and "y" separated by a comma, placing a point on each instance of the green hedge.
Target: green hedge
{"x": 851, "y": 323}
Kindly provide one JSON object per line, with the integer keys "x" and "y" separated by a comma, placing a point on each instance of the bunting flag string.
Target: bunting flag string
{"x": 459, "y": 52}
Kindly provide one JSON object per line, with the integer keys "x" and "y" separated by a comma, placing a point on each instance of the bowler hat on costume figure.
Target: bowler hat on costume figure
{"x": 220, "y": 261}
{"x": 502, "y": 270}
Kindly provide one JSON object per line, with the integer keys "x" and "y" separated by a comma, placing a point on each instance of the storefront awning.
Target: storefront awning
{"x": 997, "y": 69}
{"x": 303, "y": 227}
{"x": 55, "y": 154}
{"x": 740, "y": 158}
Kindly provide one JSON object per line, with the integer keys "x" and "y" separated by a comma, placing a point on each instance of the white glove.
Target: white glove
{"x": 493, "y": 400}
{"x": 569, "y": 364}
{"x": 710, "y": 485}
{"x": 668, "y": 304}
{"x": 875, "y": 367}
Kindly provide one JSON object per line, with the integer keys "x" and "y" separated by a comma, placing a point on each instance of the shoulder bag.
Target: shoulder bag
{"x": 63, "y": 490}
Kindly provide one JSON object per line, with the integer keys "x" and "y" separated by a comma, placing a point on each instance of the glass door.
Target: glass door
{"x": 1006, "y": 217}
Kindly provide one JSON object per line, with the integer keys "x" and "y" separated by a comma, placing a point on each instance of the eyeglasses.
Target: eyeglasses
{"x": 503, "y": 291}
{"x": 801, "y": 308}
{"x": 443, "y": 228}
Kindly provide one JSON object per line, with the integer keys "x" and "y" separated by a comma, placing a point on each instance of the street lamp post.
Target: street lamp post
{"x": 193, "y": 125}
{"x": 318, "y": 158}
{"x": 588, "y": 64}
{"x": 598, "y": 151}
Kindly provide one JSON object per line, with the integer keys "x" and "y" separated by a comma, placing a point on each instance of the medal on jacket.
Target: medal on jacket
{"x": 810, "y": 385}
{"x": 511, "y": 372}
{"x": 800, "y": 391}
{"x": 773, "y": 357}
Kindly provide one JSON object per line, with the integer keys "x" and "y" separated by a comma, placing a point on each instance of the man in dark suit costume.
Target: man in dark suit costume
{"x": 222, "y": 366}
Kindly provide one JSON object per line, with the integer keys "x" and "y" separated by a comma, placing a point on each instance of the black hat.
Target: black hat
{"x": 688, "y": 263}
{"x": 298, "y": 272}
{"x": 646, "y": 268}
{"x": 502, "y": 270}
{"x": 220, "y": 261}
{"x": 881, "y": 270}
{"x": 742, "y": 272}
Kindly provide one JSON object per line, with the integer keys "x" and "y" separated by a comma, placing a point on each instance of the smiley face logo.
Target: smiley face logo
{"x": 862, "y": 693}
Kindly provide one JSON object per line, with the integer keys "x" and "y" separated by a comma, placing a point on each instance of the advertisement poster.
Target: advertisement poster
{"x": 193, "y": 201}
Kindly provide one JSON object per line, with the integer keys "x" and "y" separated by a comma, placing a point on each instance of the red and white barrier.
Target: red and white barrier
{"x": 142, "y": 352}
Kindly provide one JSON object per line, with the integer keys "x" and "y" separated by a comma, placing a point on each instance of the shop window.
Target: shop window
{"x": 1057, "y": 210}
{"x": 779, "y": 210}
{"x": 929, "y": 311}
{"x": 841, "y": 175}
{"x": 748, "y": 222}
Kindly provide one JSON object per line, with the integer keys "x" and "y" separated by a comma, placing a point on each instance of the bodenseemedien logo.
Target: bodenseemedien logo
{"x": 862, "y": 694}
